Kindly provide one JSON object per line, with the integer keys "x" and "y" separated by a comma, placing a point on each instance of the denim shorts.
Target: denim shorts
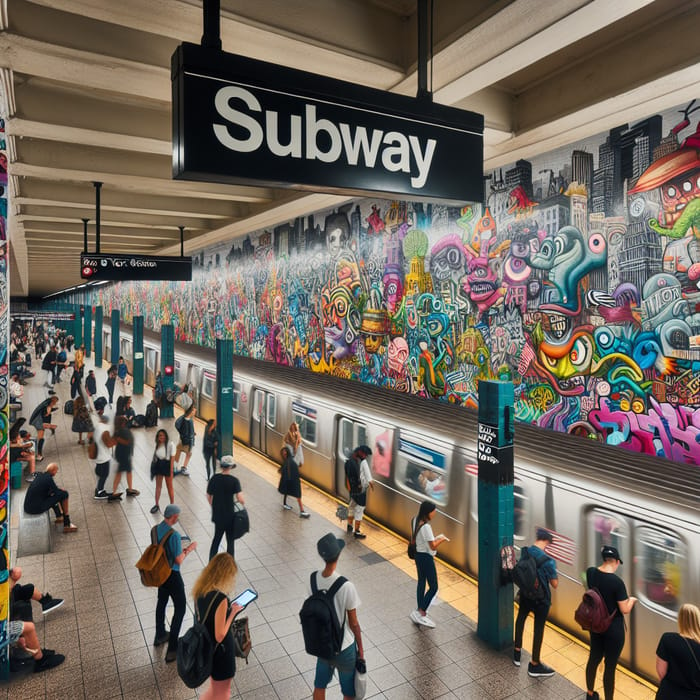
{"x": 345, "y": 663}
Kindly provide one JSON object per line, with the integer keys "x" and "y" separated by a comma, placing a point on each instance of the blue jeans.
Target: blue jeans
{"x": 427, "y": 573}
{"x": 345, "y": 663}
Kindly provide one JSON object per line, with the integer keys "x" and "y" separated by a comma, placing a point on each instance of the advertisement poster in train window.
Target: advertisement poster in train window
{"x": 381, "y": 456}
{"x": 422, "y": 469}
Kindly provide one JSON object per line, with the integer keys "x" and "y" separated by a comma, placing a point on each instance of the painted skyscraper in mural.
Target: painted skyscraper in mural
{"x": 578, "y": 278}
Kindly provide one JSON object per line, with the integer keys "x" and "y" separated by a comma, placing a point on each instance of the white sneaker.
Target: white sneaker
{"x": 184, "y": 472}
{"x": 425, "y": 621}
{"x": 415, "y": 616}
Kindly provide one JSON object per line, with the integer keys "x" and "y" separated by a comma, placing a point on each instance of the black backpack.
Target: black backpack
{"x": 526, "y": 577}
{"x": 138, "y": 421}
{"x": 151, "y": 415}
{"x": 323, "y": 633}
{"x": 195, "y": 651}
{"x": 352, "y": 475}
{"x": 68, "y": 407}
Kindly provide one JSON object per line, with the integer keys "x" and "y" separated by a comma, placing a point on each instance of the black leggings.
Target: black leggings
{"x": 540, "y": 610}
{"x": 219, "y": 531}
{"x": 607, "y": 646}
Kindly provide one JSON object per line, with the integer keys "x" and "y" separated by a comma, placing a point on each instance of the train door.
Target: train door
{"x": 606, "y": 527}
{"x": 350, "y": 434}
{"x": 660, "y": 575}
{"x": 263, "y": 418}
{"x": 193, "y": 379}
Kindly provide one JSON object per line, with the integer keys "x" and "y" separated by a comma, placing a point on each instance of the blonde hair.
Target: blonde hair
{"x": 293, "y": 436}
{"x": 689, "y": 621}
{"x": 218, "y": 575}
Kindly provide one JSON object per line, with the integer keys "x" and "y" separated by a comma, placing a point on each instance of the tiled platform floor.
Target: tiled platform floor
{"x": 106, "y": 626}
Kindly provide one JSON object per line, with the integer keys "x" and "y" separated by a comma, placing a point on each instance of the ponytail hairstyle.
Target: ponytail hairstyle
{"x": 426, "y": 508}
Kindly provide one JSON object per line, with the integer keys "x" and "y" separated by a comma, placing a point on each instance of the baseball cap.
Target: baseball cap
{"x": 610, "y": 553}
{"x": 330, "y": 547}
{"x": 365, "y": 449}
{"x": 544, "y": 534}
{"x": 100, "y": 403}
{"x": 227, "y": 461}
{"x": 170, "y": 510}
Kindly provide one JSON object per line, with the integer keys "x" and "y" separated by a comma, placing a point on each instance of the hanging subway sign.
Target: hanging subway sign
{"x": 107, "y": 266}
{"x": 239, "y": 120}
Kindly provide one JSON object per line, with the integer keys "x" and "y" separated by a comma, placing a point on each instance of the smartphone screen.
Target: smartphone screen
{"x": 248, "y": 596}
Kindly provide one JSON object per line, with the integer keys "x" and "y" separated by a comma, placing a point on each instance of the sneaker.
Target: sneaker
{"x": 161, "y": 639}
{"x": 155, "y": 508}
{"x": 415, "y": 615}
{"x": 47, "y": 662}
{"x": 286, "y": 507}
{"x": 132, "y": 492}
{"x": 360, "y": 535}
{"x": 516, "y": 657}
{"x": 595, "y": 696}
{"x": 101, "y": 495}
{"x": 425, "y": 621}
{"x": 304, "y": 514}
{"x": 114, "y": 496}
{"x": 31, "y": 478}
{"x": 70, "y": 528}
{"x": 539, "y": 670}
{"x": 349, "y": 529}
{"x": 48, "y": 604}
{"x": 184, "y": 472}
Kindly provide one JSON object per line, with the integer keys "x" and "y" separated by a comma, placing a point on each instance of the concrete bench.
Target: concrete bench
{"x": 35, "y": 533}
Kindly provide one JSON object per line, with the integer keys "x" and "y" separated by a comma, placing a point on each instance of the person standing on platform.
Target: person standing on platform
{"x": 185, "y": 428}
{"x": 162, "y": 467}
{"x": 123, "y": 453}
{"x": 678, "y": 658}
{"x": 210, "y": 447}
{"x": 79, "y": 360}
{"x": 609, "y": 644}
{"x": 109, "y": 384}
{"x": 43, "y": 493}
{"x": 91, "y": 386}
{"x": 61, "y": 363}
{"x": 223, "y": 492}
{"x": 292, "y": 440}
{"x": 546, "y": 570}
{"x": 290, "y": 482}
{"x": 210, "y": 592}
{"x": 48, "y": 364}
{"x": 40, "y": 420}
{"x": 74, "y": 385}
{"x": 174, "y": 586}
{"x": 122, "y": 374}
{"x": 358, "y": 487}
{"x": 346, "y": 601}
{"x": 105, "y": 442}
{"x": 81, "y": 420}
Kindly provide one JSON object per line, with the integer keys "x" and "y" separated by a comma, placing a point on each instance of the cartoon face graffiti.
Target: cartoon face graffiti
{"x": 446, "y": 257}
{"x": 397, "y": 354}
{"x": 393, "y": 288}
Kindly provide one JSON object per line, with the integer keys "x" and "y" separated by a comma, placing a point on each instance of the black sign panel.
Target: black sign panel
{"x": 118, "y": 266}
{"x": 495, "y": 459}
{"x": 238, "y": 120}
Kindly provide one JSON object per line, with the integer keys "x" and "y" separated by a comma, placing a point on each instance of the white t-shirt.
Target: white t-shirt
{"x": 345, "y": 599}
{"x": 165, "y": 451}
{"x": 423, "y": 536}
{"x": 104, "y": 453}
{"x": 365, "y": 474}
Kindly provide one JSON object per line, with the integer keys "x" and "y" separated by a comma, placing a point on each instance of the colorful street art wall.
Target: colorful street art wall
{"x": 577, "y": 279}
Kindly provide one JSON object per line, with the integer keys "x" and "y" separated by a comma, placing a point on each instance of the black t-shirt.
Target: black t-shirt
{"x": 682, "y": 680}
{"x": 611, "y": 587}
{"x": 39, "y": 490}
{"x": 122, "y": 453}
{"x": 222, "y": 488}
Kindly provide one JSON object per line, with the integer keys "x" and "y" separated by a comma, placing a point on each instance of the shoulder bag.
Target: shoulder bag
{"x": 241, "y": 521}
{"x": 412, "y": 544}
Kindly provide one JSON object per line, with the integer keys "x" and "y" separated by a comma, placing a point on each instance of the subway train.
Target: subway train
{"x": 586, "y": 493}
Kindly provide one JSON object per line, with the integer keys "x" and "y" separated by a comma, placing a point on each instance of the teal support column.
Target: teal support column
{"x": 98, "y": 336}
{"x": 78, "y": 325}
{"x": 87, "y": 332}
{"x": 116, "y": 343}
{"x": 167, "y": 366}
{"x": 224, "y": 395}
{"x": 137, "y": 363}
{"x": 495, "y": 458}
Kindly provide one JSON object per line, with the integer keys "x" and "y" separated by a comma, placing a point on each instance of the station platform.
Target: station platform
{"x": 106, "y": 626}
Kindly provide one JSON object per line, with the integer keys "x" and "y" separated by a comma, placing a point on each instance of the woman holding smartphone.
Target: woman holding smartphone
{"x": 426, "y": 547}
{"x": 216, "y": 612}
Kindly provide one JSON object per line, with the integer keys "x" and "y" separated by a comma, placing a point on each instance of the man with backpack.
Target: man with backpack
{"x": 185, "y": 429}
{"x": 534, "y": 573}
{"x": 329, "y": 623}
{"x": 174, "y": 586}
{"x": 358, "y": 477}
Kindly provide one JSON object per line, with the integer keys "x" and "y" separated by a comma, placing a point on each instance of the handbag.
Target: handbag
{"x": 241, "y": 521}
{"x": 412, "y": 544}
{"x": 242, "y": 642}
{"x": 360, "y": 679}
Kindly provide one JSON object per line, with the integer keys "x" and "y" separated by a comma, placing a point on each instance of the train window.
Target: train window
{"x": 150, "y": 359}
{"x": 660, "y": 561}
{"x": 521, "y": 509}
{"x": 422, "y": 470}
{"x": 208, "y": 385}
{"x": 307, "y": 427}
{"x": 236, "y": 396}
{"x": 606, "y": 528}
{"x": 347, "y": 435}
{"x": 271, "y": 415}
{"x": 258, "y": 402}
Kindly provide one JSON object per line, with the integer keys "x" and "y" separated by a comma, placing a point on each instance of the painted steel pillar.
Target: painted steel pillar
{"x": 98, "y": 336}
{"x": 78, "y": 325}
{"x": 167, "y": 367}
{"x": 495, "y": 459}
{"x": 87, "y": 332}
{"x": 137, "y": 360}
{"x": 224, "y": 395}
{"x": 116, "y": 343}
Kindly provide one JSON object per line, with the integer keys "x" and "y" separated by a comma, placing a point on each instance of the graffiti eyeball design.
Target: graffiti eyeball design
{"x": 596, "y": 244}
{"x": 516, "y": 270}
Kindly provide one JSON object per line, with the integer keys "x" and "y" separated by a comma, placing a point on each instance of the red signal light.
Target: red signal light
{"x": 168, "y": 369}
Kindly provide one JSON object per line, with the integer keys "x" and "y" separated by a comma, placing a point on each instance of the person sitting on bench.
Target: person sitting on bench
{"x": 22, "y": 593}
{"x": 43, "y": 493}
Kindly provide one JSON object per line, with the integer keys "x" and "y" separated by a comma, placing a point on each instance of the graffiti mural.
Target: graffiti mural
{"x": 578, "y": 278}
